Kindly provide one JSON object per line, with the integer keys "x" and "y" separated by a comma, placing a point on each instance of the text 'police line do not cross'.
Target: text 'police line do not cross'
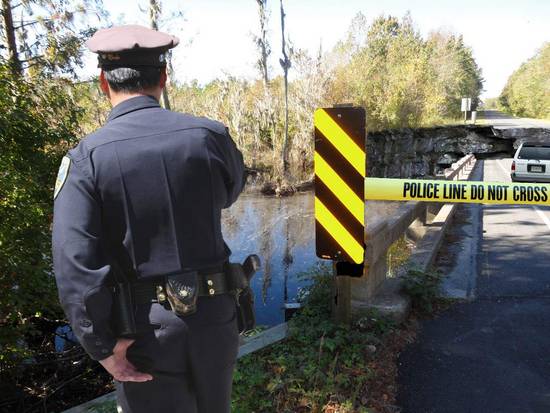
{"x": 341, "y": 186}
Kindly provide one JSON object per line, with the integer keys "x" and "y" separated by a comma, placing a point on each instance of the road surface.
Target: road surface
{"x": 492, "y": 353}
{"x": 502, "y": 120}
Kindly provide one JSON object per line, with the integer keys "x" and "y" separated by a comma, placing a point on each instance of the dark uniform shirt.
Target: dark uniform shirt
{"x": 148, "y": 188}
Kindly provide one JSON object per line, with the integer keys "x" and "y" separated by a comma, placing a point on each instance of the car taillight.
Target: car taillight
{"x": 513, "y": 166}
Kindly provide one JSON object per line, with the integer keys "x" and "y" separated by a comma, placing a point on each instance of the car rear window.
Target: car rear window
{"x": 534, "y": 152}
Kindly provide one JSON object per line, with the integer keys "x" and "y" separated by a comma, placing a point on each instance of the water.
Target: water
{"x": 282, "y": 232}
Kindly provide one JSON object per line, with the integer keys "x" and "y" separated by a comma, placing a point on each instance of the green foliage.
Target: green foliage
{"x": 402, "y": 80}
{"x": 93, "y": 104}
{"x": 527, "y": 92}
{"x": 490, "y": 104}
{"x": 318, "y": 363}
{"x": 49, "y": 33}
{"x": 422, "y": 287}
{"x": 104, "y": 407}
{"x": 36, "y": 127}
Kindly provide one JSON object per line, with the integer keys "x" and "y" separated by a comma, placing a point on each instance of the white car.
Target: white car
{"x": 531, "y": 163}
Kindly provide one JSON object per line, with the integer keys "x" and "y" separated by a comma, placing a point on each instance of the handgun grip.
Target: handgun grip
{"x": 250, "y": 265}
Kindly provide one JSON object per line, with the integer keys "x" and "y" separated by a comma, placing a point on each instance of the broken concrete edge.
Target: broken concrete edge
{"x": 390, "y": 300}
{"x": 248, "y": 345}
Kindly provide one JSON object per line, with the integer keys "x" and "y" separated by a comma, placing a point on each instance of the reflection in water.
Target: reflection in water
{"x": 282, "y": 232}
{"x": 266, "y": 248}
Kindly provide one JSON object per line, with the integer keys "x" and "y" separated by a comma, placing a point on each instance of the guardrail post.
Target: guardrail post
{"x": 340, "y": 168}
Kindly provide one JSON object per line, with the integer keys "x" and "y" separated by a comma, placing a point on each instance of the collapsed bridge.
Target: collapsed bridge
{"x": 425, "y": 152}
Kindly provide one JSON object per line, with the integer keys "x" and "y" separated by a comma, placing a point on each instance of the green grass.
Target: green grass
{"x": 103, "y": 407}
{"x": 319, "y": 364}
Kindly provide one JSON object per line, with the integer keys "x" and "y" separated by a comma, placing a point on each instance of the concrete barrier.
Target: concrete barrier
{"x": 425, "y": 224}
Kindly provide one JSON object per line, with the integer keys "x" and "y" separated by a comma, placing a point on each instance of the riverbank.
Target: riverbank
{"x": 322, "y": 366}
{"x": 262, "y": 183}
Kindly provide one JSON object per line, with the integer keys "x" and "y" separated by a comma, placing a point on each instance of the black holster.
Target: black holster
{"x": 239, "y": 280}
{"x": 124, "y": 321}
{"x": 124, "y": 307}
{"x": 246, "y": 316}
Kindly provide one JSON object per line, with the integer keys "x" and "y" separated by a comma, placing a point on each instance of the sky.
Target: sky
{"x": 216, "y": 35}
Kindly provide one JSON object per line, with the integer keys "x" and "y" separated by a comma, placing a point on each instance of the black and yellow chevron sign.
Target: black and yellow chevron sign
{"x": 340, "y": 164}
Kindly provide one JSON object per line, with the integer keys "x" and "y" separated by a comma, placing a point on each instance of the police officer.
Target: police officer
{"x": 142, "y": 196}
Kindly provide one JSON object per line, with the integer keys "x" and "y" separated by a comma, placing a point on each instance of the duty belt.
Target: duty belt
{"x": 209, "y": 285}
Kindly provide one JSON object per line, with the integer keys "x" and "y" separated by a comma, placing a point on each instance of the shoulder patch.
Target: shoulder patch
{"x": 62, "y": 175}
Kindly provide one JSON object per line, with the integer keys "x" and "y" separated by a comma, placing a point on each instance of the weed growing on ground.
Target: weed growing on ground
{"x": 398, "y": 254}
{"x": 422, "y": 287}
{"x": 321, "y": 366}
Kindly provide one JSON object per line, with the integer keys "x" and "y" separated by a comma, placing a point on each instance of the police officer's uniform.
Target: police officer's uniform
{"x": 146, "y": 190}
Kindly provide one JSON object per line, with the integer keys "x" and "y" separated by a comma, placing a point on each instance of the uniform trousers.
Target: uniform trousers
{"x": 191, "y": 359}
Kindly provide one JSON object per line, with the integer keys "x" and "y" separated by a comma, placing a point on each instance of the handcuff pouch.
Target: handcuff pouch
{"x": 182, "y": 291}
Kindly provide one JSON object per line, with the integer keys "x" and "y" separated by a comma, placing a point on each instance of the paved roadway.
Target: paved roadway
{"x": 502, "y": 120}
{"x": 492, "y": 353}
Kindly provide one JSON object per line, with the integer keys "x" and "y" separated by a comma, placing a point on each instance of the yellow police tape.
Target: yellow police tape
{"x": 388, "y": 189}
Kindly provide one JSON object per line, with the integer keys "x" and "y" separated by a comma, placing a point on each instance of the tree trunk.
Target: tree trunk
{"x": 13, "y": 54}
{"x": 264, "y": 45}
{"x": 154, "y": 11}
{"x": 285, "y": 63}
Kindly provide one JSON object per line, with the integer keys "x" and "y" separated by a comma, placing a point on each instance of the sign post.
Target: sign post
{"x": 466, "y": 107}
{"x": 340, "y": 169}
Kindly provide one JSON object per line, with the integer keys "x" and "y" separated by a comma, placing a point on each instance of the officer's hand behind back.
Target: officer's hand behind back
{"x": 119, "y": 367}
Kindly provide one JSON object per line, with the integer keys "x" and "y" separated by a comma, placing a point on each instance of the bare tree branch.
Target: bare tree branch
{"x": 285, "y": 63}
{"x": 10, "y": 37}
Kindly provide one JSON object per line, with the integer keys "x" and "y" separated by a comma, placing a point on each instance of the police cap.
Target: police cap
{"x": 130, "y": 46}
